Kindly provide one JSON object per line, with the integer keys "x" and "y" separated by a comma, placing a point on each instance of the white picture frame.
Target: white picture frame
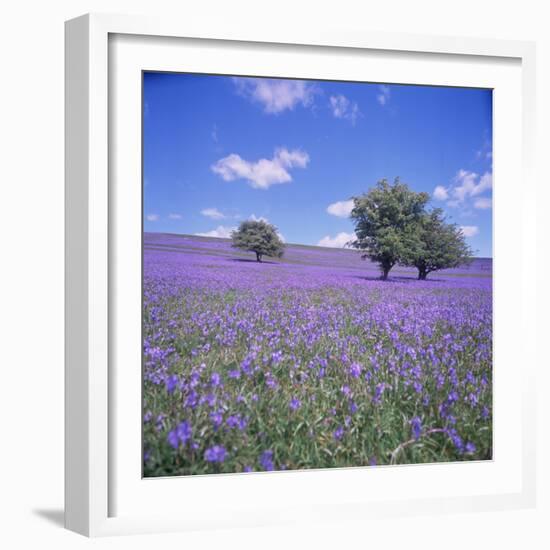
{"x": 93, "y": 221}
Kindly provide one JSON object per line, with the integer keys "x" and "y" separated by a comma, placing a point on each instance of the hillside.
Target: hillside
{"x": 299, "y": 254}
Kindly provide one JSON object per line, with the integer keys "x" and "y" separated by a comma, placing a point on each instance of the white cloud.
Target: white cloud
{"x": 485, "y": 183}
{"x": 384, "y": 96}
{"x": 342, "y": 107}
{"x": 152, "y": 217}
{"x": 465, "y": 183}
{"x": 339, "y": 241}
{"x": 291, "y": 159}
{"x": 221, "y": 231}
{"x": 342, "y": 209}
{"x": 440, "y": 193}
{"x": 263, "y": 173}
{"x": 213, "y": 213}
{"x": 465, "y": 190}
{"x": 483, "y": 203}
{"x": 276, "y": 95}
{"x": 469, "y": 230}
{"x": 469, "y": 184}
{"x": 175, "y": 216}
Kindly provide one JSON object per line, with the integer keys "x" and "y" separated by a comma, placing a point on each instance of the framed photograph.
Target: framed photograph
{"x": 292, "y": 281}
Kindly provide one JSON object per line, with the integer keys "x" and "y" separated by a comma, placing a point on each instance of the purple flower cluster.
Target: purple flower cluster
{"x": 215, "y": 454}
{"x": 266, "y": 461}
{"x": 311, "y": 360}
{"x": 180, "y": 435}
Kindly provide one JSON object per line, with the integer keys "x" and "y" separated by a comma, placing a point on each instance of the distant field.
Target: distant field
{"x": 335, "y": 258}
{"x": 310, "y": 361}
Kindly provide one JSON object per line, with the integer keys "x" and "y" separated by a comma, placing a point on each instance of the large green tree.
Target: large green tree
{"x": 435, "y": 244}
{"x": 259, "y": 237}
{"x": 385, "y": 219}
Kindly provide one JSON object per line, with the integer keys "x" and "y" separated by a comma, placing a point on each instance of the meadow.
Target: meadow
{"x": 309, "y": 361}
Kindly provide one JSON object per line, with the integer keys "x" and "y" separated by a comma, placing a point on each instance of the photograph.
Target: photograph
{"x": 317, "y": 274}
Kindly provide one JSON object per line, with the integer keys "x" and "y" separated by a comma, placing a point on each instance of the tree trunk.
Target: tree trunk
{"x": 422, "y": 274}
{"x": 385, "y": 271}
{"x": 258, "y": 257}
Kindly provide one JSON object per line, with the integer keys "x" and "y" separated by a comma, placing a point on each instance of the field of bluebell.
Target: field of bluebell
{"x": 309, "y": 361}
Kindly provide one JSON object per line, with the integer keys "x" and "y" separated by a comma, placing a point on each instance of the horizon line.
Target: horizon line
{"x": 290, "y": 244}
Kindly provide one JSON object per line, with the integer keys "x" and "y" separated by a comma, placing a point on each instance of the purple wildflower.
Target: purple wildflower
{"x": 266, "y": 460}
{"x": 355, "y": 370}
{"x": 232, "y": 421}
{"x": 295, "y": 404}
{"x": 378, "y": 393}
{"x": 416, "y": 427}
{"x": 217, "y": 418}
{"x": 192, "y": 399}
{"x": 173, "y": 439}
{"x": 456, "y": 439}
{"x": 184, "y": 431}
{"x": 215, "y": 454}
{"x": 243, "y": 422}
{"x": 171, "y": 383}
{"x": 180, "y": 435}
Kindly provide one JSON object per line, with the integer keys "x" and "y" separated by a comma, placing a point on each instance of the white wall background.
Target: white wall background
{"x": 31, "y": 266}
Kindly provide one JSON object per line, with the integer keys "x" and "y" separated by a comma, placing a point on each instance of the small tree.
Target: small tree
{"x": 385, "y": 218}
{"x": 434, "y": 244}
{"x": 259, "y": 237}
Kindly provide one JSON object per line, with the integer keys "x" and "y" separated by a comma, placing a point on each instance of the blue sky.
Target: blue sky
{"x": 218, "y": 150}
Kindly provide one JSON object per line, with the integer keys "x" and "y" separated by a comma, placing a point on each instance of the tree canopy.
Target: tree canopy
{"x": 385, "y": 219}
{"x": 259, "y": 237}
{"x": 436, "y": 245}
{"x": 392, "y": 226}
